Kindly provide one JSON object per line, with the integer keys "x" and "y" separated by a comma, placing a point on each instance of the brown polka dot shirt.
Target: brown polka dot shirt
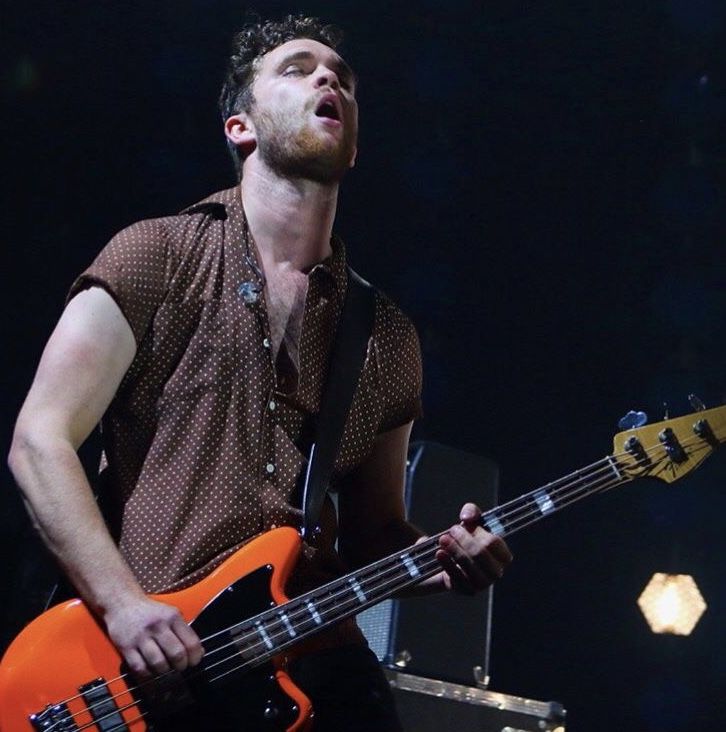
{"x": 205, "y": 438}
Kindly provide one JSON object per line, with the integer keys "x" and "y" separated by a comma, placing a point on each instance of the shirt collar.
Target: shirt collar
{"x": 227, "y": 204}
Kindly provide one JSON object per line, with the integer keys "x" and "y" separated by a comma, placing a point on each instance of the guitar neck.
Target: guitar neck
{"x": 275, "y": 630}
{"x": 510, "y": 517}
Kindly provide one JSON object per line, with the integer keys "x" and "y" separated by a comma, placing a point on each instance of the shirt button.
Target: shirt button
{"x": 270, "y": 468}
{"x": 266, "y": 342}
{"x": 272, "y": 405}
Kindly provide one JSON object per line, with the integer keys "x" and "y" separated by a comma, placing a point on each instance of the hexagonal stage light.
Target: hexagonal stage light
{"x": 672, "y": 603}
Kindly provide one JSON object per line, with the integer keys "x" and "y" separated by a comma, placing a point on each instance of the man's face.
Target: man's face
{"x": 305, "y": 116}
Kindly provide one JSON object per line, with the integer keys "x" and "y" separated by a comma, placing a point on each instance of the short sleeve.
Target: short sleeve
{"x": 399, "y": 366}
{"x": 134, "y": 268}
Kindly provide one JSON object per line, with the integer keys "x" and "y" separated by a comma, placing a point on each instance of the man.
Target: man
{"x": 203, "y": 341}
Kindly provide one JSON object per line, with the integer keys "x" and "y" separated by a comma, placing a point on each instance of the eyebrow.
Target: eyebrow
{"x": 338, "y": 64}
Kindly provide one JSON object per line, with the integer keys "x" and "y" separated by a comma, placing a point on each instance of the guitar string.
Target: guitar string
{"x": 275, "y": 632}
{"x": 435, "y": 564}
{"x": 511, "y": 530}
{"x": 525, "y": 505}
{"x": 391, "y": 566}
{"x": 425, "y": 547}
{"x": 424, "y": 566}
{"x": 251, "y": 664}
{"x": 422, "y": 548}
{"x": 429, "y": 564}
{"x": 523, "y": 509}
{"x": 519, "y": 522}
{"x": 515, "y": 519}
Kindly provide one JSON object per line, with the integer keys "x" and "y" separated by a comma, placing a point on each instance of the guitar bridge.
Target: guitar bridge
{"x": 54, "y": 717}
{"x": 100, "y": 705}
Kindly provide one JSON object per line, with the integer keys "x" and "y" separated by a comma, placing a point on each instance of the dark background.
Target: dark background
{"x": 540, "y": 186}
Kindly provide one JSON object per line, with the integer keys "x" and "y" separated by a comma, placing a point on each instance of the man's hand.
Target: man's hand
{"x": 152, "y": 637}
{"x": 472, "y": 558}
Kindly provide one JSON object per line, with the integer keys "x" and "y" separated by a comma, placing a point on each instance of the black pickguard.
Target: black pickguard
{"x": 247, "y": 701}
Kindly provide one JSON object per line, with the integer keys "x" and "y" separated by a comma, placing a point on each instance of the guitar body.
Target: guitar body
{"x": 65, "y": 653}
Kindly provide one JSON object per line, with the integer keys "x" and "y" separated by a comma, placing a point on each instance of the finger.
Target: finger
{"x": 173, "y": 649}
{"x": 189, "y": 639}
{"x": 137, "y": 665}
{"x": 153, "y": 656}
{"x": 477, "y": 572}
{"x": 470, "y": 552}
{"x": 458, "y": 581}
{"x": 478, "y": 540}
{"x": 500, "y": 550}
{"x": 470, "y": 513}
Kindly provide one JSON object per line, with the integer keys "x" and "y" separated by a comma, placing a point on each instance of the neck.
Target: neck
{"x": 291, "y": 220}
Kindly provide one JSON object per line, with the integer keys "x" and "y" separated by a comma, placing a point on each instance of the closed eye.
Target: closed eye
{"x": 293, "y": 70}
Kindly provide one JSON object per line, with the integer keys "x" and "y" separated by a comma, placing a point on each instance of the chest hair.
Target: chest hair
{"x": 285, "y": 307}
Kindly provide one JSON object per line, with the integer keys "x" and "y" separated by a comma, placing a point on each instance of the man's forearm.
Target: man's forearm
{"x": 151, "y": 636}
{"x": 64, "y": 512}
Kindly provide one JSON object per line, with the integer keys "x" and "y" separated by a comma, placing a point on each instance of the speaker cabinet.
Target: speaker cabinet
{"x": 444, "y": 636}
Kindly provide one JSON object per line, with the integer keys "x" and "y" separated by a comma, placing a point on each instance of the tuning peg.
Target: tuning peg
{"x": 632, "y": 420}
{"x": 696, "y": 403}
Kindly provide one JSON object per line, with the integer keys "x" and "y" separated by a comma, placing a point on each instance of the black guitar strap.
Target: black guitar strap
{"x": 346, "y": 364}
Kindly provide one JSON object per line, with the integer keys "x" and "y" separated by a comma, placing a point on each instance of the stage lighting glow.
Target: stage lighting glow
{"x": 672, "y": 603}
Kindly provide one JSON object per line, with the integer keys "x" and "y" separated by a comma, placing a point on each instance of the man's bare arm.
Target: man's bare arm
{"x": 373, "y": 524}
{"x": 81, "y": 368}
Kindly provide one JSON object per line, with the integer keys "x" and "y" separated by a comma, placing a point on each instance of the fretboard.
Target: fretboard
{"x": 271, "y": 632}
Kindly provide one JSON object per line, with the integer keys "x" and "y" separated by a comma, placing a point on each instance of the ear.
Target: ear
{"x": 239, "y": 130}
{"x": 353, "y": 157}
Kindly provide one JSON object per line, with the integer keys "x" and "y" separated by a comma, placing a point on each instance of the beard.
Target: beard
{"x": 297, "y": 150}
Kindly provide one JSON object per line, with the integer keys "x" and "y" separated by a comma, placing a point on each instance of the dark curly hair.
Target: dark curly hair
{"x": 249, "y": 46}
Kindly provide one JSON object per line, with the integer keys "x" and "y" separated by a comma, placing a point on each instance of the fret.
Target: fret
{"x": 314, "y": 614}
{"x": 353, "y": 582}
{"x": 288, "y": 625}
{"x": 262, "y": 632}
{"x": 410, "y": 565}
{"x": 494, "y": 523}
{"x": 544, "y": 502}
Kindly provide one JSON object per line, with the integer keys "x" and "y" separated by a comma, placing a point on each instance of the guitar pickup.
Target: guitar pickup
{"x": 102, "y": 706}
{"x": 668, "y": 439}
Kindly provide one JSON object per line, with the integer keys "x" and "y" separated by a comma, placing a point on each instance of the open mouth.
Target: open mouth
{"x": 328, "y": 110}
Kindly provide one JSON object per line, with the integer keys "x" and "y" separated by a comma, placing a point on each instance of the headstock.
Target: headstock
{"x": 670, "y": 449}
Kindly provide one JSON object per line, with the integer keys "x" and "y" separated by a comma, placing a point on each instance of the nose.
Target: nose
{"x": 325, "y": 76}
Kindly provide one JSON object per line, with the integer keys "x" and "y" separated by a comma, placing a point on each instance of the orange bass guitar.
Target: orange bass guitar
{"x": 62, "y": 674}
